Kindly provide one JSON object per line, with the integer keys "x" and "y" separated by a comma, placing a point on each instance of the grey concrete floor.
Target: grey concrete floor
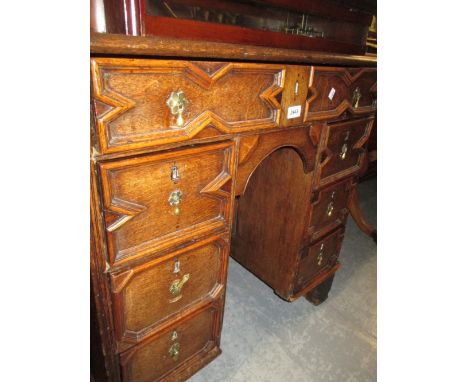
{"x": 266, "y": 339}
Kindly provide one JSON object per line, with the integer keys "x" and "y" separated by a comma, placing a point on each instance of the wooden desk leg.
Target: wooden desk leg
{"x": 356, "y": 213}
{"x": 320, "y": 293}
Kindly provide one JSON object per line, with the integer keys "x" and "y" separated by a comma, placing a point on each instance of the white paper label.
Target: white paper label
{"x": 294, "y": 111}
{"x": 331, "y": 94}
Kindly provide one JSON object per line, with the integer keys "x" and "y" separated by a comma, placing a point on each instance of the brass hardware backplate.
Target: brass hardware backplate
{"x": 356, "y": 97}
{"x": 320, "y": 255}
{"x": 174, "y": 351}
{"x": 177, "y": 104}
{"x": 330, "y": 208}
{"x": 176, "y": 287}
{"x": 174, "y": 200}
{"x": 344, "y": 150}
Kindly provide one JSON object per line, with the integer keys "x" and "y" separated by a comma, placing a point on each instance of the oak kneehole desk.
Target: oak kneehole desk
{"x": 195, "y": 160}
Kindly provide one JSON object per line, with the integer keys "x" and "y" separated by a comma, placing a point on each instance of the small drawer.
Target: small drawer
{"x": 183, "y": 343}
{"x": 318, "y": 257}
{"x": 155, "y": 202}
{"x": 148, "y": 294}
{"x": 342, "y": 149}
{"x": 141, "y": 102}
{"x": 328, "y": 209}
{"x": 335, "y": 90}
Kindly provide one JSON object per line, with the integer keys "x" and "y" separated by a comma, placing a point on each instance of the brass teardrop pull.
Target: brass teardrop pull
{"x": 330, "y": 208}
{"x": 344, "y": 150}
{"x": 356, "y": 97}
{"x": 320, "y": 255}
{"x": 177, "y": 285}
{"x": 174, "y": 351}
{"x": 177, "y": 103}
{"x": 175, "y": 198}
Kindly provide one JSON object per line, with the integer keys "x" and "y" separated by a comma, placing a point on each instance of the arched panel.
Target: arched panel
{"x": 254, "y": 149}
{"x": 271, "y": 219}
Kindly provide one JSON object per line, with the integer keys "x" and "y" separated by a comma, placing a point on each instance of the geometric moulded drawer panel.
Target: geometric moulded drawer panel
{"x": 335, "y": 90}
{"x": 165, "y": 352}
{"x": 155, "y": 291}
{"x": 131, "y": 100}
{"x": 342, "y": 149}
{"x": 155, "y": 202}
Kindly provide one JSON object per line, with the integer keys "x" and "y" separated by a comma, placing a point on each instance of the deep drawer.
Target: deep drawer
{"x": 148, "y": 294}
{"x": 177, "y": 346}
{"x": 158, "y": 201}
{"x": 328, "y": 209}
{"x": 318, "y": 257}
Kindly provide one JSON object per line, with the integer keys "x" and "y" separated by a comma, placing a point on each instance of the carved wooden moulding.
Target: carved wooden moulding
{"x": 140, "y": 103}
{"x": 142, "y": 217}
{"x": 335, "y": 92}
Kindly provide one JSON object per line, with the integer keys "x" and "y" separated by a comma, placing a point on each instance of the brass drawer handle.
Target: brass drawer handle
{"x": 344, "y": 150}
{"x": 177, "y": 104}
{"x": 175, "y": 198}
{"x": 356, "y": 97}
{"x": 330, "y": 208}
{"x": 320, "y": 256}
{"x": 174, "y": 351}
{"x": 177, "y": 285}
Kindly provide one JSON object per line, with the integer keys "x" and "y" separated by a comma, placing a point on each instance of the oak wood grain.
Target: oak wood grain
{"x": 331, "y": 92}
{"x": 317, "y": 258}
{"x": 141, "y": 294}
{"x": 115, "y": 44}
{"x": 151, "y": 360}
{"x": 139, "y": 218}
{"x": 328, "y": 209}
{"x": 130, "y": 100}
{"x": 342, "y": 149}
{"x": 271, "y": 219}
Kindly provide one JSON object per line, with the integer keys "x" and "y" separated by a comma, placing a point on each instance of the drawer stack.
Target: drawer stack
{"x": 341, "y": 109}
{"x": 167, "y": 219}
{"x": 291, "y": 236}
{"x": 168, "y": 138}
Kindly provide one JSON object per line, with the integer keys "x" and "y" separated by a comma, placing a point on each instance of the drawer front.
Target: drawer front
{"x": 342, "y": 149}
{"x": 146, "y": 295}
{"x": 329, "y": 209}
{"x": 131, "y": 100}
{"x": 334, "y": 90}
{"x": 318, "y": 257}
{"x": 158, "y": 201}
{"x": 162, "y": 354}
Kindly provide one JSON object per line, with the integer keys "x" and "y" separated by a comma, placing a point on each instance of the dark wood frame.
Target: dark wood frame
{"x": 129, "y": 17}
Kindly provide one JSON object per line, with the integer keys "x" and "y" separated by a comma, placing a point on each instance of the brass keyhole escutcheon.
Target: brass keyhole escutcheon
{"x": 296, "y": 88}
{"x": 175, "y": 177}
{"x": 330, "y": 208}
{"x": 177, "y": 285}
{"x": 177, "y": 104}
{"x": 175, "y": 198}
{"x": 174, "y": 351}
{"x": 356, "y": 97}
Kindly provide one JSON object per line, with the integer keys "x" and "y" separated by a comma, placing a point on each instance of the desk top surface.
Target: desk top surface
{"x": 114, "y": 44}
